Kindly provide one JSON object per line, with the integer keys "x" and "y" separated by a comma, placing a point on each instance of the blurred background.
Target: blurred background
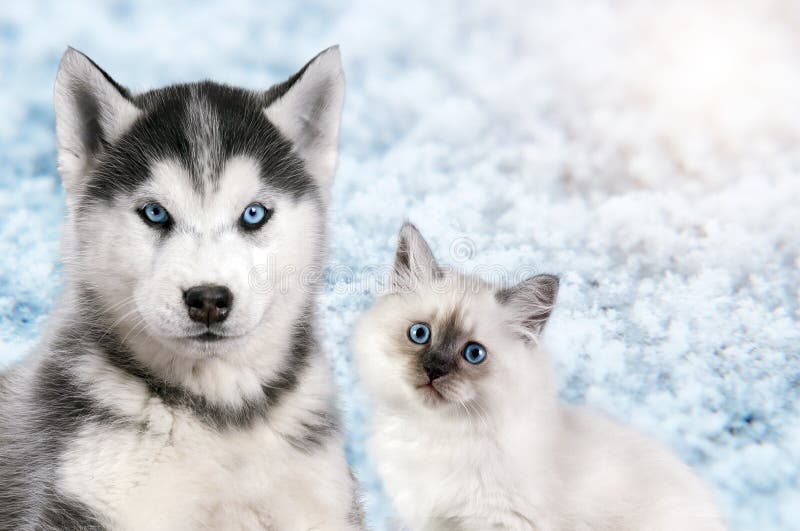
{"x": 645, "y": 151}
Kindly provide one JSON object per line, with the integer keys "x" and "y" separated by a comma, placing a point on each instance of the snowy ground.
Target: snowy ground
{"x": 646, "y": 154}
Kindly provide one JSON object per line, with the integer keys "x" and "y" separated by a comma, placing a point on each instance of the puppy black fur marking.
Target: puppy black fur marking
{"x": 315, "y": 432}
{"x": 166, "y": 131}
{"x": 57, "y": 408}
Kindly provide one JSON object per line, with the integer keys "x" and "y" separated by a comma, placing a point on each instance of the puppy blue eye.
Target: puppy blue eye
{"x": 474, "y": 353}
{"x": 155, "y": 214}
{"x": 254, "y": 216}
{"x": 419, "y": 333}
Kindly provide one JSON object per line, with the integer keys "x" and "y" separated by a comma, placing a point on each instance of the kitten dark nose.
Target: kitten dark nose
{"x": 435, "y": 367}
{"x": 208, "y": 304}
{"x": 434, "y": 372}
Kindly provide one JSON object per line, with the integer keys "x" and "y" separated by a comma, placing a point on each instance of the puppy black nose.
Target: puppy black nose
{"x": 208, "y": 304}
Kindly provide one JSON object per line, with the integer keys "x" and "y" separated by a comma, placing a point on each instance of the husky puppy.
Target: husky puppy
{"x": 467, "y": 430}
{"x": 180, "y": 385}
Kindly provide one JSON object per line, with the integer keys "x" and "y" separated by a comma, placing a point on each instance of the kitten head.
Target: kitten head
{"x": 442, "y": 339}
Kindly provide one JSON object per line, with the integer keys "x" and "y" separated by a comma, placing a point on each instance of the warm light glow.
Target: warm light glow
{"x": 713, "y": 64}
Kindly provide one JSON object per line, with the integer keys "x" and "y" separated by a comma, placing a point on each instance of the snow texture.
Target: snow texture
{"x": 646, "y": 152}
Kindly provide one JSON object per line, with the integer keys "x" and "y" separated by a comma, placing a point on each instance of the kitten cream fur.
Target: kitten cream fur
{"x": 489, "y": 446}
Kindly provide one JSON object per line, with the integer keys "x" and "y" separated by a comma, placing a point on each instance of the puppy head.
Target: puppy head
{"x": 194, "y": 208}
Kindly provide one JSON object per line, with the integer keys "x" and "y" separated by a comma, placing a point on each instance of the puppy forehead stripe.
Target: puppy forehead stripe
{"x": 206, "y": 147}
{"x": 202, "y": 125}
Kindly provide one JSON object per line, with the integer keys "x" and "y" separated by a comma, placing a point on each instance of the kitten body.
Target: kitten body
{"x": 464, "y": 446}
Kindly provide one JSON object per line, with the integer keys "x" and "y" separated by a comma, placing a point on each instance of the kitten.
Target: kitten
{"x": 468, "y": 433}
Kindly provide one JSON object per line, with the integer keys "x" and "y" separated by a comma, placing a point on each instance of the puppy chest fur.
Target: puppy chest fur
{"x": 169, "y": 470}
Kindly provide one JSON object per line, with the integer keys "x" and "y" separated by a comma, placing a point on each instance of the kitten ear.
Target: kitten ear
{"x": 92, "y": 110}
{"x": 307, "y": 109}
{"x": 531, "y": 302}
{"x": 413, "y": 261}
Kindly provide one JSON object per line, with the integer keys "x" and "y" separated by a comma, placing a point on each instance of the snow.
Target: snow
{"x": 644, "y": 152}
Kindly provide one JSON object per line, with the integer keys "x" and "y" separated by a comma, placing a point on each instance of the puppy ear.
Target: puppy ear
{"x": 307, "y": 109}
{"x": 531, "y": 302}
{"x": 92, "y": 111}
{"x": 413, "y": 261}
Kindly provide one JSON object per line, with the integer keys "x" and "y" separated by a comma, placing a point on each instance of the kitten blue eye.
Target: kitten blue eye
{"x": 419, "y": 333}
{"x": 474, "y": 353}
{"x": 155, "y": 214}
{"x": 254, "y": 216}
